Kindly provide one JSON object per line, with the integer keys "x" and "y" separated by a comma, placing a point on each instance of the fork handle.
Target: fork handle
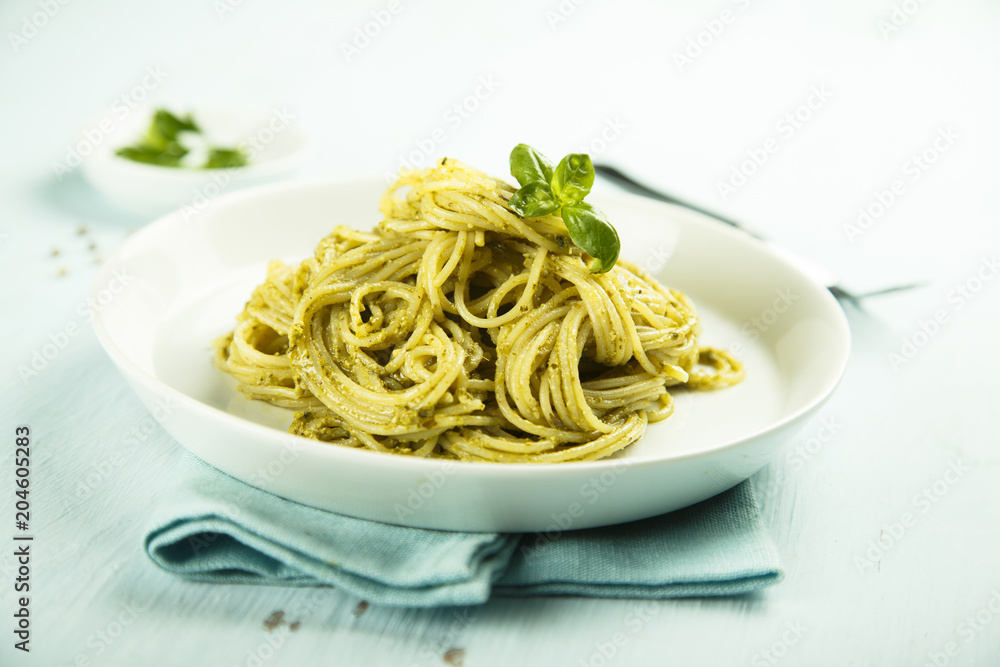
{"x": 634, "y": 186}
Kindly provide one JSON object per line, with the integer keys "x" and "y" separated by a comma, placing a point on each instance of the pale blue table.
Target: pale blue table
{"x": 886, "y": 513}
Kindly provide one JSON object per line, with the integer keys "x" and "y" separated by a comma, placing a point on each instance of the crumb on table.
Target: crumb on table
{"x": 455, "y": 657}
{"x": 274, "y": 620}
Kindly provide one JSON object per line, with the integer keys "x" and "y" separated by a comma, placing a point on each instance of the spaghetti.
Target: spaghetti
{"x": 459, "y": 329}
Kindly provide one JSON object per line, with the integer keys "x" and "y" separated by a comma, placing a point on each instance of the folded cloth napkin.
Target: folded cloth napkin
{"x": 211, "y": 527}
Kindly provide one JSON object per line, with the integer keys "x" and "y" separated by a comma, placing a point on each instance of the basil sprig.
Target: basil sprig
{"x": 546, "y": 190}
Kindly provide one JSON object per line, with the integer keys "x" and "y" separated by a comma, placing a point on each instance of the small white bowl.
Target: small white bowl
{"x": 277, "y": 147}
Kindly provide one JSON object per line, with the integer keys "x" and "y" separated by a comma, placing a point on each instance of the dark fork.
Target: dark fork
{"x": 822, "y": 275}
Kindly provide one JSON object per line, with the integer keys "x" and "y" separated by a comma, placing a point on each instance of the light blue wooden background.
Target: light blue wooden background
{"x": 891, "y": 554}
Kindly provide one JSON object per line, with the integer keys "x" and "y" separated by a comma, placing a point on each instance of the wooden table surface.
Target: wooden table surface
{"x": 871, "y": 134}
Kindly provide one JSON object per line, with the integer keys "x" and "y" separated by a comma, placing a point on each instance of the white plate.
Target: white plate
{"x": 180, "y": 284}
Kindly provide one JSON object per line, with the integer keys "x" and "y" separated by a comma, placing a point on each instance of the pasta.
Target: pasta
{"x": 458, "y": 329}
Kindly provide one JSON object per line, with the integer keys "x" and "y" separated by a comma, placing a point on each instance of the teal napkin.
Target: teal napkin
{"x": 211, "y": 527}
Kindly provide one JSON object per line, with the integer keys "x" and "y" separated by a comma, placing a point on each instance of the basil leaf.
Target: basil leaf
{"x": 534, "y": 200}
{"x": 529, "y": 166}
{"x": 167, "y": 125}
{"x": 165, "y": 128}
{"x": 226, "y": 158}
{"x": 573, "y": 178}
{"x": 167, "y": 156}
{"x": 590, "y": 230}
